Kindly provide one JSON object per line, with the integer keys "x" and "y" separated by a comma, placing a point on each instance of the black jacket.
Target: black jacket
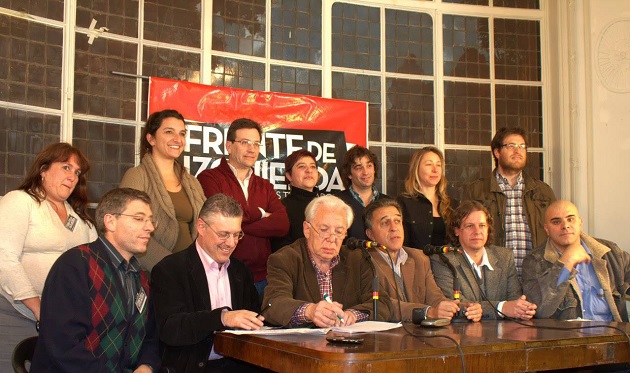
{"x": 357, "y": 229}
{"x": 295, "y": 203}
{"x": 418, "y": 220}
{"x": 185, "y": 320}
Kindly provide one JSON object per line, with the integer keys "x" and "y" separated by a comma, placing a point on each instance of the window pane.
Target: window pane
{"x": 296, "y": 30}
{"x": 534, "y": 165}
{"x": 230, "y": 72}
{"x": 520, "y": 106}
{"x": 176, "y": 22}
{"x": 119, "y": 16}
{"x": 410, "y": 116}
{"x": 409, "y": 47}
{"x": 239, "y": 26}
{"x": 23, "y": 134}
{"x": 397, "y": 168}
{"x": 356, "y": 36}
{"x": 97, "y": 91}
{"x": 52, "y": 9}
{"x": 289, "y": 79}
{"x": 467, "y": 117}
{"x": 111, "y": 150}
{"x": 517, "y": 49}
{"x": 469, "y": 2}
{"x": 168, "y": 63}
{"x": 30, "y": 67}
{"x": 525, "y": 4}
{"x": 378, "y": 180}
{"x": 361, "y": 88}
{"x": 464, "y": 166}
{"x": 466, "y": 46}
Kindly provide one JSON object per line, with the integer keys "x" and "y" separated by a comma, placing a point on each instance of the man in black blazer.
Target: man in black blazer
{"x": 201, "y": 290}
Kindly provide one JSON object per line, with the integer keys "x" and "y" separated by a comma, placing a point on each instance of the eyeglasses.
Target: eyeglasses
{"x": 224, "y": 236}
{"x": 248, "y": 143}
{"x": 141, "y": 219}
{"x": 325, "y": 234}
{"x": 513, "y": 146}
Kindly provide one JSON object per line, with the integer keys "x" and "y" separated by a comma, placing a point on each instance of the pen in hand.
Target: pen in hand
{"x": 265, "y": 308}
{"x": 327, "y": 299}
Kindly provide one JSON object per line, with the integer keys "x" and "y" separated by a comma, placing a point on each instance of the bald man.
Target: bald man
{"x": 575, "y": 275}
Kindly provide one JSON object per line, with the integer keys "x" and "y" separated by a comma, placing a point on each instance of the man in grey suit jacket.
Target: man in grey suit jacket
{"x": 410, "y": 284}
{"x": 481, "y": 269}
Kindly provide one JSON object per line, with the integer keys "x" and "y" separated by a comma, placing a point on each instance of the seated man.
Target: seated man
{"x": 95, "y": 316}
{"x": 485, "y": 272}
{"x": 414, "y": 285}
{"x": 317, "y": 281}
{"x": 201, "y": 290}
{"x": 575, "y": 275}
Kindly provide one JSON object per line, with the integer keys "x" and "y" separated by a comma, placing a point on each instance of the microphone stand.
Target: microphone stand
{"x": 375, "y": 285}
{"x": 457, "y": 290}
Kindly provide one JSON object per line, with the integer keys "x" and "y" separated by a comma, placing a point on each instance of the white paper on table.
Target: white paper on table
{"x": 367, "y": 327}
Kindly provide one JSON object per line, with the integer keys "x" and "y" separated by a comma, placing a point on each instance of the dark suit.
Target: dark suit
{"x": 182, "y": 306}
{"x": 501, "y": 284}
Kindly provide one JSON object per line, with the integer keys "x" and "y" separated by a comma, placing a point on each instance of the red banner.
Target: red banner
{"x": 290, "y": 122}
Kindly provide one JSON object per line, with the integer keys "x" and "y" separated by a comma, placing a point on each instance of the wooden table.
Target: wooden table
{"x": 489, "y": 346}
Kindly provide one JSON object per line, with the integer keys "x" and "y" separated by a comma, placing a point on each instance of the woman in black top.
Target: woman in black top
{"x": 425, "y": 204}
{"x": 300, "y": 169}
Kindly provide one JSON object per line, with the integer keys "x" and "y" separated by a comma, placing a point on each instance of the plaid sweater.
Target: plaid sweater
{"x": 84, "y": 302}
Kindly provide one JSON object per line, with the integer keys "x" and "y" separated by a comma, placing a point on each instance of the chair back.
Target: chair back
{"x": 22, "y": 353}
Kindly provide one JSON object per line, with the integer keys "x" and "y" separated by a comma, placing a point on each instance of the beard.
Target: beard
{"x": 512, "y": 165}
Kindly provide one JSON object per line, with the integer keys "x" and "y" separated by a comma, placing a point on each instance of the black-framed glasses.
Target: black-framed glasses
{"x": 224, "y": 236}
{"x": 248, "y": 143}
{"x": 325, "y": 234}
{"x": 513, "y": 146}
{"x": 140, "y": 218}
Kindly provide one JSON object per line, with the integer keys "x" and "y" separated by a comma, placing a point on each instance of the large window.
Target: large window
{"x": 447, "y": 73}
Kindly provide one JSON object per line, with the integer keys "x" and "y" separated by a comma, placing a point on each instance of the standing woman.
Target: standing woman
{"x": 425, "y": 204}
{"x": 300, "y": 168}
{"x": 39, "y": 221}
{"x": 176, "y": 196}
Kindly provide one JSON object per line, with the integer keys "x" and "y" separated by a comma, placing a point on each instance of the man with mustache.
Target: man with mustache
{"x": 515, "y": 200}
{"x": 575, "y": 275}
{"x": 411, "y": 279}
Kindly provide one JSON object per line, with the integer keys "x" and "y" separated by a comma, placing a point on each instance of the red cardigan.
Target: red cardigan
{"x": 255, "y": 247}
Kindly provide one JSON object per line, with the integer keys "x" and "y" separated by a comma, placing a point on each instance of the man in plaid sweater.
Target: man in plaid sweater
{"x": 96, "y": 314}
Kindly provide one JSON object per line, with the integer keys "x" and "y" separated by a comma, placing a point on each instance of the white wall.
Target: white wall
{"x": 610, "y": 116}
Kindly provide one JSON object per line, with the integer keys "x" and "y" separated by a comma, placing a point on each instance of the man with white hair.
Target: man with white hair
{"x": 317, "y": 281}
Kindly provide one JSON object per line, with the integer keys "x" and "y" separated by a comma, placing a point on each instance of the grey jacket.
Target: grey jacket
{"x": 501, "y": 284}
{"x": 541, "y": 269}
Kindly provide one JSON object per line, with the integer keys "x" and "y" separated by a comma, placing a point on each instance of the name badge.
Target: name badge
{"x": 141, "y": 300}
{"x": 71, "y": 223}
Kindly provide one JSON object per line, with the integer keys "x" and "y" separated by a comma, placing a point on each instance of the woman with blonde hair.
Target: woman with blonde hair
{"x": 425, "y": 204}
{"x": 176, "y": 196}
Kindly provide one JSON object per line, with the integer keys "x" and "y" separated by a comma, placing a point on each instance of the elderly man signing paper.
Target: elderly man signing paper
{"x": 317, "y": 281}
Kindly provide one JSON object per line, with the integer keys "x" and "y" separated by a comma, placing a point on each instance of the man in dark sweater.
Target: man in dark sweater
{"x": 358, "y": 172}
{"x": 96, "y": 313}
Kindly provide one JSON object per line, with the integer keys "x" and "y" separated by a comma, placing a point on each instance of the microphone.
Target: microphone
{"x": 355, "y": 243}
{"x": 430, "y": 250}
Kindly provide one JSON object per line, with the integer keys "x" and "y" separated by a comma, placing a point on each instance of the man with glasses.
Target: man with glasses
{"x": 316, "y": 281}
{"x": 201, "y": 290}
{"x": 264, "y": 216}
{"x": 96, "y": 313}
{"x": 516, "y": 201}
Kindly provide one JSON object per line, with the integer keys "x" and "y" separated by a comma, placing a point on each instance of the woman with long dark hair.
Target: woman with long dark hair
{"x": 176, "y": 196}
{"x": 39, "y": 221}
